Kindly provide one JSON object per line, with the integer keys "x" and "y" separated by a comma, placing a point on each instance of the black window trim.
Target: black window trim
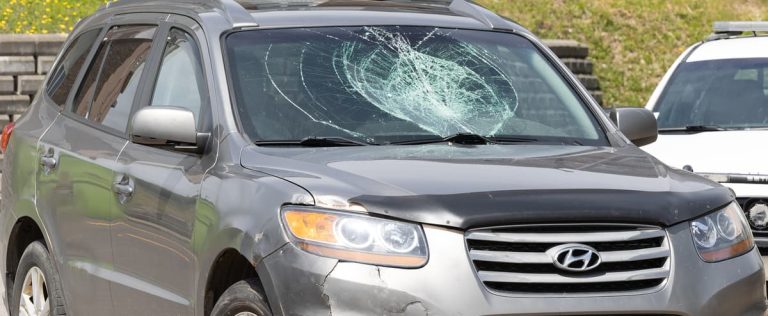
{"x": 147, "y": 89}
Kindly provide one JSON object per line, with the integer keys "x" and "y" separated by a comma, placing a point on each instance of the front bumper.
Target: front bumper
{"x": 299, "y": 283}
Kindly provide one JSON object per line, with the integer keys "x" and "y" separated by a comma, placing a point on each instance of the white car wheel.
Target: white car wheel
{"x": 34, "y": 294}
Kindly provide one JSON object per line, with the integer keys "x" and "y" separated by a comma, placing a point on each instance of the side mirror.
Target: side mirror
{"x": 172, "y": 127}
{"x": 638, "y": 124}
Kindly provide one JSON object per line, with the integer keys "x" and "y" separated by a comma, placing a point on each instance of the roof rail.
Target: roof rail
{"x": 269, "y": 4}
{"x": 232, "y": 9}
{"x": 237, "y": 15}
{"x": 236, "y": 11}
{"x": 466, "y": 8}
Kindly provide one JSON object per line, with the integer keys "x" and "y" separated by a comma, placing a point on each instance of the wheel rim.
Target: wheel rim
{"x": 245, "y": 314}
{"x": 34, "y": 294}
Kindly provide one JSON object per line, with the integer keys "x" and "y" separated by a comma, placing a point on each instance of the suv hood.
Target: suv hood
{"x": 732, "y": 152}
{"x": 491, "y": 185}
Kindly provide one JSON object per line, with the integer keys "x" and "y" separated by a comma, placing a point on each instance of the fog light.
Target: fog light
{"x": 758, "y": 215}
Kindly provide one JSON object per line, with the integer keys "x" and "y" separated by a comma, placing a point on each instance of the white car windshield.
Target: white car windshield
{"x": 389, "y": 84}
{"x": 725, "y": 93}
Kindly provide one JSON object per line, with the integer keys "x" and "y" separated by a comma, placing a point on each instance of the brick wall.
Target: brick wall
{"x": 25, "y": 59}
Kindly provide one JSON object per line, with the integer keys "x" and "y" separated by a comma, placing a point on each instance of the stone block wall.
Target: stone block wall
{"x": 24, "y": 61}
{"x": 575, "y": 56}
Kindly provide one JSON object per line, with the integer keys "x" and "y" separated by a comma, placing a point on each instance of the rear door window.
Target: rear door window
{"x": 63, "y": 76}
{"x": 106, "y": 95}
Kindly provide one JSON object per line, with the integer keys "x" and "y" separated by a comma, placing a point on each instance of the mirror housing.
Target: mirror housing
{"x": 637, "y": 124}
{"x": 172, "y": 127}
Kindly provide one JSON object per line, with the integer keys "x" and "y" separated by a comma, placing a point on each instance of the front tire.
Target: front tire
{"x": 36, "y": 288}
{"x": 244, "y": 298}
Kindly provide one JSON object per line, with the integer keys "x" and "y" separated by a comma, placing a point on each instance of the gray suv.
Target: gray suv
{"x": 348, "y": 157}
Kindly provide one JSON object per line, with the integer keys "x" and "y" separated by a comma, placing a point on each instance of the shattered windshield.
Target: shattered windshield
{"x": 392, "y": 84}
{"x": 727, "y": 93}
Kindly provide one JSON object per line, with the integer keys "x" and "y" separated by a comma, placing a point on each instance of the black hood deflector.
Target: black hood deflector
{"x": 495, "y": 185}
{"x": 487, "y": 209}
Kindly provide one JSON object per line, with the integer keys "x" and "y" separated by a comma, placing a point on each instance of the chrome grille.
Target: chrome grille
{"x": 514, "y": 260}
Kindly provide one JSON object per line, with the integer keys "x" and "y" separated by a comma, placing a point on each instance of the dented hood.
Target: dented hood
{"x": 489, "y": 185}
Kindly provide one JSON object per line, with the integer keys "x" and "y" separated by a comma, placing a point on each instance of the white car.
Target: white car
{"x": 712, "y": 111}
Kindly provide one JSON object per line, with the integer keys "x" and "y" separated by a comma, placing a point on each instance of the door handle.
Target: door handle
{"x": 123, "y": 187}
{"x": 48, "y": 161}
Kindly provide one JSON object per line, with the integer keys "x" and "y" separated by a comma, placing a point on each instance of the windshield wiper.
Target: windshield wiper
{"x": 467, "y": 139}
{"x": 695, "y": 128}
{"x": 509, "y": 139}
{"x": 314, "y": 141}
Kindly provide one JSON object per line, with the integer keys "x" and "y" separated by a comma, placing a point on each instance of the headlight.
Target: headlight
{"x": 356, "y": 237}
{"x": 722, "y": 235}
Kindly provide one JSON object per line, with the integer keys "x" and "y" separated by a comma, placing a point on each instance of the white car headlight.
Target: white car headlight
{"x": 356, "y": 237}
{"x": 723, "y": 234}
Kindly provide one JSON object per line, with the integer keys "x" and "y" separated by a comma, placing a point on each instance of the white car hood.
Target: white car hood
{"x": 732, "y": 152}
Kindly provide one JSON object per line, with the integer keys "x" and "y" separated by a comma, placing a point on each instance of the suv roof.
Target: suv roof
{"x": 252, "y": 13}
{"x": 731, "y": 48}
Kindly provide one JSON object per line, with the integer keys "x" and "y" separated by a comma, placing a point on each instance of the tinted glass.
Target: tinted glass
{"x": 389, "y": 84}
{"x": 63, "y": 76}
{"x": 84, "y": 95}
{"x": 119, "y": 75}
{"x": 730, "y": 93}
{"x": 180, "y": 81}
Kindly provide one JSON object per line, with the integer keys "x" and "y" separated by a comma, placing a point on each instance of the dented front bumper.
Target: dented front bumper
{"x": 299, "y": 283}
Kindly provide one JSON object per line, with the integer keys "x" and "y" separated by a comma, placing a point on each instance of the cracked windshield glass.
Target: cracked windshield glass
{"x": 381, "y": 85}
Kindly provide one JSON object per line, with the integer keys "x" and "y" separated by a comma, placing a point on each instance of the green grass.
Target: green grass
{"x": 632, "y": 42}
{"x": 43, "y": 16}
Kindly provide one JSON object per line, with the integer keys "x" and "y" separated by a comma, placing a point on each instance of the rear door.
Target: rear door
{"x": 23, "y": 158}
{"x": 79, "y": 153}
{"x": 152, "y": 236}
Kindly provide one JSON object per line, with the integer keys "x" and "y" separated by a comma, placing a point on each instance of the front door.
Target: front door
{"x": 152, "y": 236}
